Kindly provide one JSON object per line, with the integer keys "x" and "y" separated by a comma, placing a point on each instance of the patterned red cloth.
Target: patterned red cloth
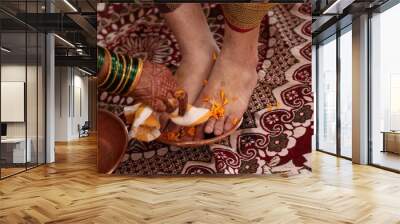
{"x": 275, "y": 136}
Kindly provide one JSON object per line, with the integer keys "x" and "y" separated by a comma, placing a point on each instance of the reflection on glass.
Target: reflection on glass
{"x": 22, "y": 90}
{"x": 327, "y": 96}
{"x": 385, "y": 86}
{"x": 346, "y": 94}
{"x": 15, "y": 150}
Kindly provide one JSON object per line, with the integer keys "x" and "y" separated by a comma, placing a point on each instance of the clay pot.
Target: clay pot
{"x": 207, "y": 141}
{"x": 112, "y": 141}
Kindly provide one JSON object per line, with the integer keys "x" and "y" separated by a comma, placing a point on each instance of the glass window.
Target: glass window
{"x": 327, "y": 96}
{"x": 15, "y": 149}
{"x": 22, "y": 90}
{"x": 346, "y": 92}
{"x": 385, "y": 89}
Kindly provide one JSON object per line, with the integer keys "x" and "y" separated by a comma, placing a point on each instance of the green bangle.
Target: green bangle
{"x": 125, "y": 76}
{"x": 100, "y": 57}
{"x": 114, "y": 69}
{"x": 117, "y": 75}
{"x": 132, "y": 76}
{"x": 108, "y": 57}
{"x": 120, "y": 75}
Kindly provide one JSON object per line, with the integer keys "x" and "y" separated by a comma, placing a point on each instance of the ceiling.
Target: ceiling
{"x": 332, "y": 15}
{"x": 72, "y": 20}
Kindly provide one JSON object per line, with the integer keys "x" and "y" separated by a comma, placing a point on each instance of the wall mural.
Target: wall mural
{"x": 275, "y": 135}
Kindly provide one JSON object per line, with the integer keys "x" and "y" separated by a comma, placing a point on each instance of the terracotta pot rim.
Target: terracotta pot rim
{"x": 125, "y": 133}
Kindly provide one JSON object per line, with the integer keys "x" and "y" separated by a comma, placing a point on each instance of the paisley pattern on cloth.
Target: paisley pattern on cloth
{"x": 275, "y": 136}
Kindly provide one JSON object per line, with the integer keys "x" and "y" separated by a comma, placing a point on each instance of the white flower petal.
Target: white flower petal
{"x": 299, "y": 131}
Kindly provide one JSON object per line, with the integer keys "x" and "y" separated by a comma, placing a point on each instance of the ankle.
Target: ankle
{"x": 242, "y": 47}
{"x": 245, "y": 68}
{"x": 200, "y": 52}
{"x": 198, "y": 48}
{"x": 247, "y": 58}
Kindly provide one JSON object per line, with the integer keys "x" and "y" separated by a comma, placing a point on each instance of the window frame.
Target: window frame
{"x": 380, "y": 9}
{"x": 338, "y": 33}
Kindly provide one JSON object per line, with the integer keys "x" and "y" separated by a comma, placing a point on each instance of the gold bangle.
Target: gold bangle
{"x": 122, "y": 75}
{"x": 131, "y": 77}
{"x": 109, "y": 68}
{"x": 137, "y": 78}
{"x": 127, "y": 74}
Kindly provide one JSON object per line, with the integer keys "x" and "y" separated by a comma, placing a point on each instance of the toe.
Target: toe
{"x": 209, "y": 128}
{"x": 219, "y": 126}
{"x": 229, "y": 123}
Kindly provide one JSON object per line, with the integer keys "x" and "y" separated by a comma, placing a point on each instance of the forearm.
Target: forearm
{"x": 149, "y": 83}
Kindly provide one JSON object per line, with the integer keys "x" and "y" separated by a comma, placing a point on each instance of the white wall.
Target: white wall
{"x": 61, "y": 103}
{"x": 71, "y": 94}
{"x": 33, "y": 127}
{"x": 12, "y": 73}
{"x": 80, "y": 110}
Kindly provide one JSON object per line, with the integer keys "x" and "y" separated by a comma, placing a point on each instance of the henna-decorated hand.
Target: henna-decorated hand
{"x": 157, "y": 88}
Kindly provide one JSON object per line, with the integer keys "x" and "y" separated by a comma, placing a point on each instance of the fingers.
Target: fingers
{"x": 171, "y": 104}
{"x": 182, "y": 98}
{"x": 172, "y": 101}
{"x": 164, "y": 121}
{"x": 159, "y": 106}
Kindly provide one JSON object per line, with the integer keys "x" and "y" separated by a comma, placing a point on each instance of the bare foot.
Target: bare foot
{"x": 192, "y": 75}
{"x": 197, "y": 46}
{"x": 234, "y": 76}
{"x": 194, "y": 69}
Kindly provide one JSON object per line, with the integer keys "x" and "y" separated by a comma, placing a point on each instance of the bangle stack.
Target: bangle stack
{"x": 123, "y": 73}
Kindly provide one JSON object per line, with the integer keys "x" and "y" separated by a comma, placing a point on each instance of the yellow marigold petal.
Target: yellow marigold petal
{"x": 235, "y": 121}
{"x": 191, "y": 131}
{"x": 214, "y": 55}
{"x": 172, "y": 136}
{"x": 222, "y": 95}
